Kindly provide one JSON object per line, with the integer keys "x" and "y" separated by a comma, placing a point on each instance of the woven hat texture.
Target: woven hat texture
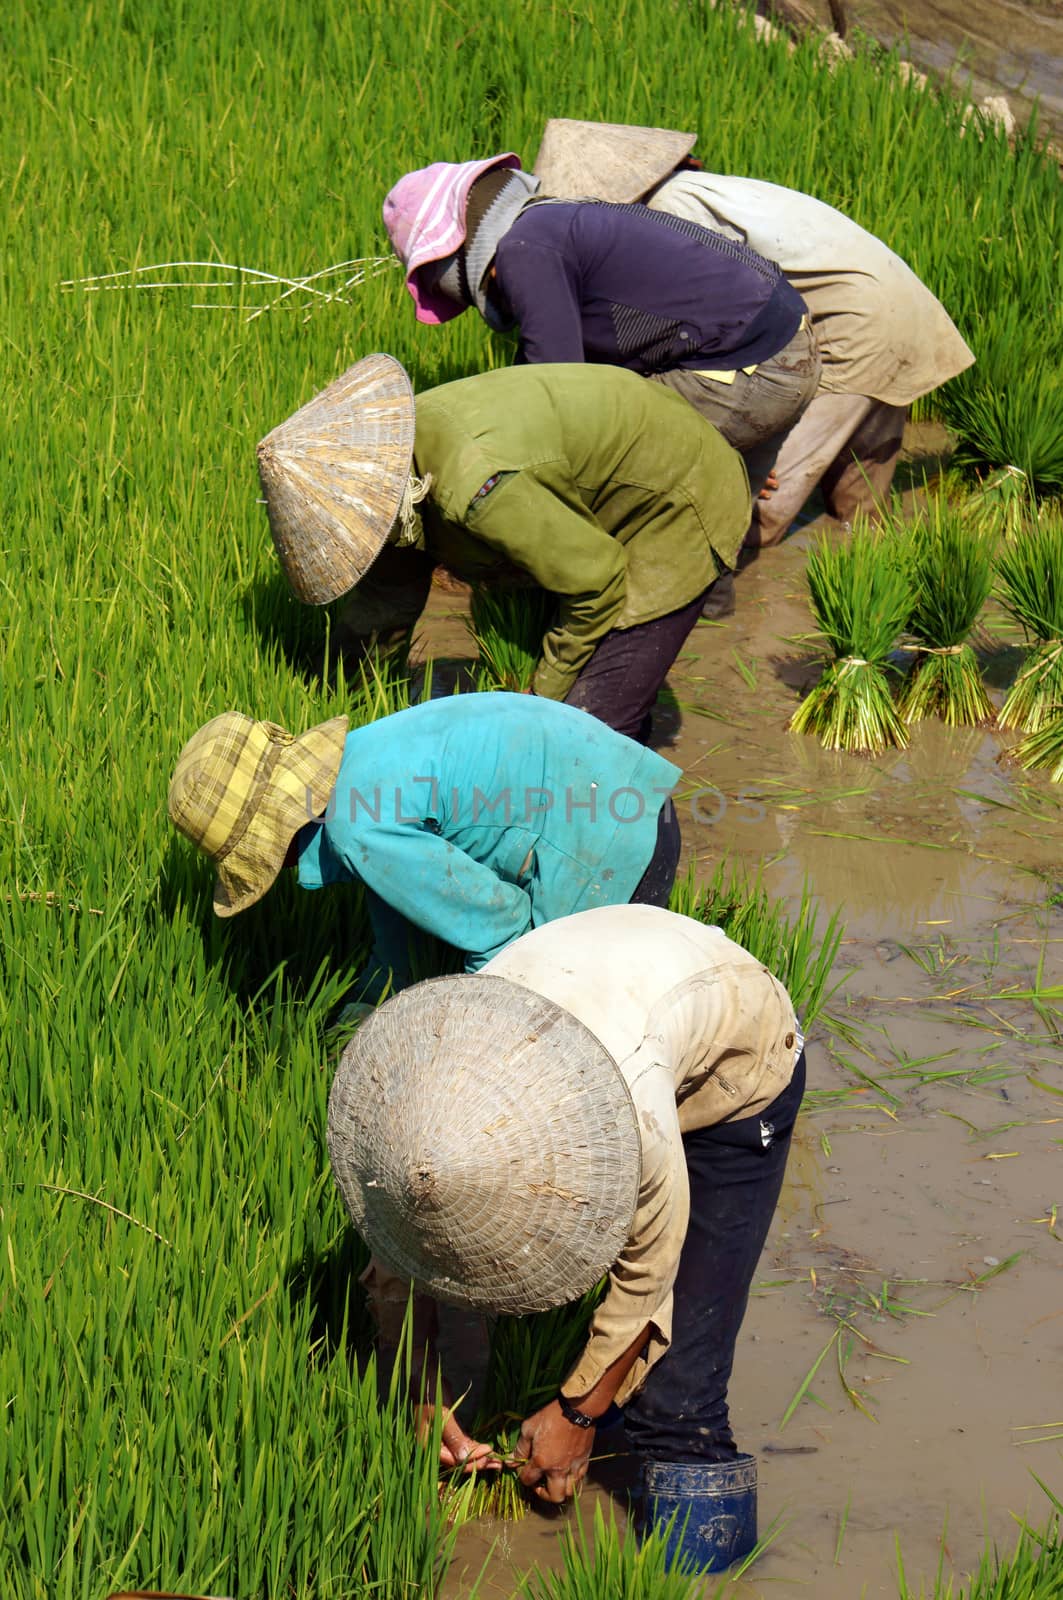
{"x": 242, "y": 790}
{"x": 485, "y": 1144}
{"x": 425, "y": 217}
{"x": 334, "y": 474}
{"x": 606, "y": 160}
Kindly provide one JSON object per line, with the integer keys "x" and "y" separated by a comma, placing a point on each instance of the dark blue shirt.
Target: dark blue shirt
{"x": 636, "y": 288}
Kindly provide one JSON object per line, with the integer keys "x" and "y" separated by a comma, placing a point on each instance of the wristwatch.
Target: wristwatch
{"x": 578, "y": 1419}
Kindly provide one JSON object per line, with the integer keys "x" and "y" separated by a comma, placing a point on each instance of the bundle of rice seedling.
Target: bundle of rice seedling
{"x": 1004, "y": 502}
{"x": 862, "y": 598}
{"x": 507, "y": 626}
{"x": 1030, "y": 570}
{"x": 1043, "y": 750}
{"x": 951, "y": 566}
{"x": 529, "y": 1360}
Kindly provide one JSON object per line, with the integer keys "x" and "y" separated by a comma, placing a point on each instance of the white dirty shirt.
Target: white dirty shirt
{"x": 880, "y": 331}
{"x": 702, "y": 1034}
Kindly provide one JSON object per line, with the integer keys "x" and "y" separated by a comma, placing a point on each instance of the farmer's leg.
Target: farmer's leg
{"x": 860, "y": 478}
{"x": 619, "y": 684}
{"x": 754, "y": 410}
{"x": 655, "y": 885}
{"x": 735, "y": 1178}
{"x": 806, "y": 453}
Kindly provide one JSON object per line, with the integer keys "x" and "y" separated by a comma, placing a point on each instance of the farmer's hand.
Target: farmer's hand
{"x": 771, "y": 483}
{"x": 456, "y": 1447}
{"x": 556, "y": 1454}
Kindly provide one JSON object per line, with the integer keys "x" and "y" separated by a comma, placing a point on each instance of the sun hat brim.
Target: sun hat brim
{"x": 296, "y": 790}
{"x": 606, "y": 160}
{"x": 432, "y": 225}
{"x": 485, "y": 1144}
{"x": 334, "y": 475}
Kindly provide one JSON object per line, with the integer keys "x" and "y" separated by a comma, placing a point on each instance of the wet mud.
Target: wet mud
{"x": 918, "y": 1241}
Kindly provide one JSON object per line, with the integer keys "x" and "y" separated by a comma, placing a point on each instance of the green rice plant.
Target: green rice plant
{"x": 507, "y": 626}
{"x": 1030, "y": 573}
{"x": 951, "y": 565}
{"x": 862, "y": 598}
{"x": 791, "y": 947}
{"x": 610, "y": 1564}
{"x": 1033, "y": 1571}
{"x": 530, "y": 1357}
{"x": 1008, "y": 407}
{"x": 1043, "y": 750}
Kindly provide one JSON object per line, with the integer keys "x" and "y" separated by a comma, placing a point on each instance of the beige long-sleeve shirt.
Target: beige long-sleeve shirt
{"x": 879, "y": 329}
{"x": 702, "y": 1034}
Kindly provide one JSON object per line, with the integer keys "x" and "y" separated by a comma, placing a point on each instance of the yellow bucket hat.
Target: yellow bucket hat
{"x": 242, "y": 790}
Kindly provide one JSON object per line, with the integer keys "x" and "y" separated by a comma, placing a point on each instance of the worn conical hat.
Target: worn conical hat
{"x": 485, "y": 1144}
{"x": 606, "y": 160}
{"x": 334, "y": 475}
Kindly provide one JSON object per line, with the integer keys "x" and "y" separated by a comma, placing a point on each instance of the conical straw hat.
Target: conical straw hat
{"x": 485, "y": 1144}
{"x": 334, "y": 475}
{"x": 606, "y": 160}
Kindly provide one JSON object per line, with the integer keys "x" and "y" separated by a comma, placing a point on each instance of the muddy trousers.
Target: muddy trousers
{"x": 756, "y": 410}
{"x": 681, "y": 1413}
{"x": 620, "y": 683}
{"x": 848, "y": 444}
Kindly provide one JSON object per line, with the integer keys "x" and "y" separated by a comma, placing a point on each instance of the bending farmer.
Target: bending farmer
{"x": 614, "y": 1093}
{"x": 473, "y": 818}
{"x": 608, "y": 492}
{"x": 588, "y": 281}
{"x": 883, "y": 338}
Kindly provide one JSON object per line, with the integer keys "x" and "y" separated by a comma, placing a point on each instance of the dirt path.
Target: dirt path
{"x": 930, "y": 1156}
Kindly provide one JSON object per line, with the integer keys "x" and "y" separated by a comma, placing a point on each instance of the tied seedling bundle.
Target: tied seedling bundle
{"x": 530, "y": 1358}
{"x": 951, "y": 568}
{"x": 862, "y": 599}
{"x": 507, "y": 626}
{"x": 1030, "y": 573}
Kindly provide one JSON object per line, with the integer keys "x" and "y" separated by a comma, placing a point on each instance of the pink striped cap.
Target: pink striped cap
{"x": 425, "y": 217}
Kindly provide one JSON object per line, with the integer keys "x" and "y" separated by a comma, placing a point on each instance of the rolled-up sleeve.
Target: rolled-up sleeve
{"x": 567, "y": 551}
{"x": 639, "y": 1294}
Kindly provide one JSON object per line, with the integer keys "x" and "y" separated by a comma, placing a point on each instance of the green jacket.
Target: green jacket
{"x": 609, "y": 490}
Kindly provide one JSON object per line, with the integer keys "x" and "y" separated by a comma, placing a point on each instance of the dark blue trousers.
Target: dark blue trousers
{"x": 735, "y": 1178}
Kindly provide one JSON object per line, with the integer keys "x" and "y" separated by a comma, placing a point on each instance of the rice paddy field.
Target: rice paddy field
{"x": 187, "y": 1393}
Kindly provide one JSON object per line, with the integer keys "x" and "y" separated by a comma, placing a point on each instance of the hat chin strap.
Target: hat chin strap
{"x": 407, "y": 521}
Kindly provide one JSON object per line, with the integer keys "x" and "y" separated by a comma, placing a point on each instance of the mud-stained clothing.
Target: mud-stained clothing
{"x": 881, "y": 332}
{"x": 591, "y": 281}
{"x": 478, "y": 817}
{"x": 703, "y": 1034}
{"x": 610, "y": 492}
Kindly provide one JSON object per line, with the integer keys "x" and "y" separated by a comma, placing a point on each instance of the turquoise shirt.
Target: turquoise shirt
{"x": 481, "y": 816}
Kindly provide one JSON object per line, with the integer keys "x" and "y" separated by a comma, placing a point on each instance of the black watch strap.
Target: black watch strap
{"x": 578, "y": 1419}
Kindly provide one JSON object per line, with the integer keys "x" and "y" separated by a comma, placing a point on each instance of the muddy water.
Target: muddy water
{"x": 929, "y": 1154}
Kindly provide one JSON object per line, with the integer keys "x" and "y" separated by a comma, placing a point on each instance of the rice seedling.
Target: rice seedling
{"x": 1030, "y": 573}
{"x": 181, "y": 1339}
{"x": 1008, "y": 408}
{"x": 861, "y": 596}
{"x": 1043, "y": 750}
{"x": 951, "y": 566}
{"x": 607, "y": 1563}
{"x": 790, "y": 946}
{"x": 507, "y": 626}
{"x": 1033, "y": 1570}
{"x": 530, "y": 1357}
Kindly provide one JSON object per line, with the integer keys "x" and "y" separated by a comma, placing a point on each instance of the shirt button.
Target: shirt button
{"x": 684, "y": 336}
{"x": 789, "y": 1041}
